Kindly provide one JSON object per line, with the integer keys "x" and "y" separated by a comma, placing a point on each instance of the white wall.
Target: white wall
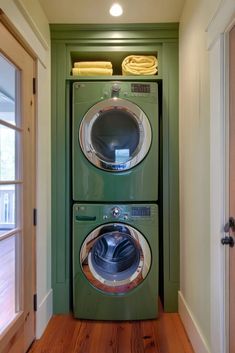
{"x": 195, "y": 272}
{"x": 36, "y": 16}
{"x": 44, "y": 290}
{"x": 30, "y": 21}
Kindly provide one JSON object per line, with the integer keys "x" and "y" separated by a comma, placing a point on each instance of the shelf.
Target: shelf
{"x": 114, "y": 54}
{"x": 114, "y": 78}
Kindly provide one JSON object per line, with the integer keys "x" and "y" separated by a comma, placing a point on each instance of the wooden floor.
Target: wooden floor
{"x": 67, "y": 335}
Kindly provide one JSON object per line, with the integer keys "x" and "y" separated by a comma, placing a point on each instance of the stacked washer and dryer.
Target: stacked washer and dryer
{"x": 115, "y": 194}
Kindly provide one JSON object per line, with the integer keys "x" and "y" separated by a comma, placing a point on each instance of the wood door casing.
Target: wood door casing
{"x": 21, "y": 332}
{"x": 232, "y": 186}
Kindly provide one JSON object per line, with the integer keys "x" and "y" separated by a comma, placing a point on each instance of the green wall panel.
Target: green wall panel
{"x": 60, "y": 198}
{"x": 170, "y": 176}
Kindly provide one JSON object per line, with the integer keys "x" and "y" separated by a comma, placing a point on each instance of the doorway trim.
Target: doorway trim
{"x": 22, "y": 20}
{"x": 19, "y": 330}
{"x": 217, "y": 33}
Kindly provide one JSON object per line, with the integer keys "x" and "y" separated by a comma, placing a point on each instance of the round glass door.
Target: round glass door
{"x": 115, "y": 258}
{"x": 115, "y": 135}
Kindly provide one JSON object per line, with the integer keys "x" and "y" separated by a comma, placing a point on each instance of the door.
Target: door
{"x": 115, "y": 135}
{"x": 115, "y": 258}
{"x": 17, "y": 196}
{"x": 232, "y": 186}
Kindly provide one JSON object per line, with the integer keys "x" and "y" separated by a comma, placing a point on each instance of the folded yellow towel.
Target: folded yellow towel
{"x": 95, "y": 64}
{"x": 139, "y": 65}
{"x": 92, "y": 71}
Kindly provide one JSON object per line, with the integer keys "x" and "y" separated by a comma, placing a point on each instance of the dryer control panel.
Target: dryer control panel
{"x": 140, "y": 88}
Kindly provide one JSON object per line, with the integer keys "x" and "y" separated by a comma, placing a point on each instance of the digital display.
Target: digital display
{"x": 140, "y": 88}
{"x": 140, "y": 211}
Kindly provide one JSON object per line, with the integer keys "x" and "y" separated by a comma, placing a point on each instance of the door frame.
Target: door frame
{"x": 21, "y": 330}
{"x": 217, "y": 35}
{"x": 36, "y": 36}
{"x": 231, "y": 181}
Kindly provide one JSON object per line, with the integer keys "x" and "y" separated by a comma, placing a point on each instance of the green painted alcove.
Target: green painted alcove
{"x": 114, "y": 42}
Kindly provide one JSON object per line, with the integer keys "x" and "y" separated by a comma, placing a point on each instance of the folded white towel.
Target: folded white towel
{"x": 95, "y": 64}
{"x": 91, "y": 71}
{"x": 139, "y": 65}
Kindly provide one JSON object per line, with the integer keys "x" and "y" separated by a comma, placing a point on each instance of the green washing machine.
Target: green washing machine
{"x": 115, "y": 141}
{"x": 115, "y": 261}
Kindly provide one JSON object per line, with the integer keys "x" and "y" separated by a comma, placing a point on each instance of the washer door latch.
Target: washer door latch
{"x": 229, "y": 227}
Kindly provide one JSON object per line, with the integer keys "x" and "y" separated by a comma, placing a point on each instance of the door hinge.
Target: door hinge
{"x": 34, "y": 216}
{"x": 35, "y": 302}
{"x": 228, "y": 229}
{"x": 34, "y": 85}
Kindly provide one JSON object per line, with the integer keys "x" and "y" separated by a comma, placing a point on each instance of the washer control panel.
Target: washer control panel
{"x": 125, "y": 212}
{"x": 90, "y": 213}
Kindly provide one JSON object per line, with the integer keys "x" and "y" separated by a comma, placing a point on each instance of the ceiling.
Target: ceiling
{"x": 97, "y": 11}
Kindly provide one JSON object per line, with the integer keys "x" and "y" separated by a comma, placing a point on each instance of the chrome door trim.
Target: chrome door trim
{"x": 115, "y": 286}
{"x": 104, "y": 106}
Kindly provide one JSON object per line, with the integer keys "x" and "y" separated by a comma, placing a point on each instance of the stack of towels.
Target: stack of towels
{"x": 92, "y": 68}
{"x": 139, "y": 65}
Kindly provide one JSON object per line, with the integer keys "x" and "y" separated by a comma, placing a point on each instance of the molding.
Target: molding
{"x": 193, "y": 330}
{"x": 17, "y": 21}
{"x": 217, "y": 194}
{"x": 61, "y": 27}
{"x": 31, "y": 23}
{"x": 104, "y": 32}
{"x": 44, "y": 313}
{"x": 217, "y": 35}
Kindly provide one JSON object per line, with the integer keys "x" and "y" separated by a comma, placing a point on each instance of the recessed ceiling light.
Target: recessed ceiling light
{"x": 116, "y": 10}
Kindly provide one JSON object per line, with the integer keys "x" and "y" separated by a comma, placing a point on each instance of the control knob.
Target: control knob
{"x": 116, "y": 212}
{"x": 116, "y": 87}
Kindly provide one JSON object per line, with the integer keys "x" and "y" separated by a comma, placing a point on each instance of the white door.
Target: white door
{"x": 17, "y": 196}
{"x": 232, "y": 187}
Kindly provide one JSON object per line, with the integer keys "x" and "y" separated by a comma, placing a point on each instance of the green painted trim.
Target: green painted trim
{"x": 105, "y": 31}
{"x": 60, "y": 198}
{"x": 62, "y": 27}
{"x": 150, "y": 78}
{"x": 170, "y": 177}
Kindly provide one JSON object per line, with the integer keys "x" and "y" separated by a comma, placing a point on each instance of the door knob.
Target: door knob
{"x": 227, "y": 240}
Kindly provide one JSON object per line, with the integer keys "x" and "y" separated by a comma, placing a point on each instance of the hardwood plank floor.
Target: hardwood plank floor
{"x": 65, "y": 334}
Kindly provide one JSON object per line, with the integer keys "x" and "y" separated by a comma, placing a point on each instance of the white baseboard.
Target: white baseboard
{"x": 43, "y": 314}
{"x": 193, "y": 331}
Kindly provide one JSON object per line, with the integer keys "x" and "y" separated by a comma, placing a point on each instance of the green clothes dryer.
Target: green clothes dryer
{"x": 115, "y": 141}
{"x": 115, "y": 261}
